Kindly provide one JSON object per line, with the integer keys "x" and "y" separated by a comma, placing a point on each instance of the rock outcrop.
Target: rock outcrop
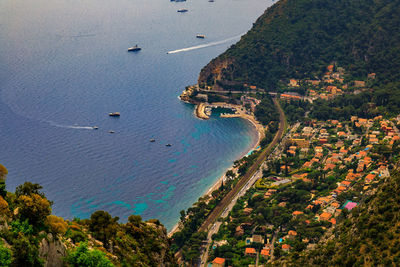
{"x": 52, "y": 251}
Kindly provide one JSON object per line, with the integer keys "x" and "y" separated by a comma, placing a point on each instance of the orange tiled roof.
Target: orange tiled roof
{"x": 265, "y": 252}
{"x": 250, "y": 251}
{"x": 325, "y": 216}
{"x": 291, "y": 232}
{"x": 218, "y": 260}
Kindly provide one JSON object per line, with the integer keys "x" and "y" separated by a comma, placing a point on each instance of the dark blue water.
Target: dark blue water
{"x": 64, "y": 67}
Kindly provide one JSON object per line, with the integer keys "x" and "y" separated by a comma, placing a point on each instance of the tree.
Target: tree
{"x": 135, "y": 220}
{"x": 230, "y": 174}
{"x": 57, "y": 224}
{"x": 3, "y": 206}
{"x": 103, "y": 226}
{"x": 183, "y": 215}
{"x": 3, "y": 191}
{"x": 34, "y": 207}
{"x": 83, "y": 257}
{"x": 28, "y": 188}
{"x": 24, "y": 252}
{"x": 5, "y": 256}
{"x": 3, "y": 172}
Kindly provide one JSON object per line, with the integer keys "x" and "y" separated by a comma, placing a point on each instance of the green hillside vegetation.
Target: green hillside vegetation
{"x": 299, "y": 38}
{"x": 367, "y": 236}
{"x": 31, "y": 236}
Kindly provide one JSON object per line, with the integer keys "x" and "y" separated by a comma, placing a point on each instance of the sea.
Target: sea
{"x": 64, "y": 66}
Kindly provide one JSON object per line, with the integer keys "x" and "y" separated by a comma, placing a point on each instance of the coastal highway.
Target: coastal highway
{"x": 254, "y": 172}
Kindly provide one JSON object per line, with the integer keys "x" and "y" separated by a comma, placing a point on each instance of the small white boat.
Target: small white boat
{"x": 182, "y": 10}
{"x": 114, "y": 114}
{"x": 95, "y": 127}
{"x": 201, "y": 36}
{"x": 134, "y": 48}
{"x": 111, "y": 131}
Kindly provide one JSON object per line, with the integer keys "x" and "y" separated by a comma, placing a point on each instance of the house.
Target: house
{"x": 292, "y": 234}
{"x": 286, "y": 247}
{"x": 329, "y": 166}
{"x": 369, "y": 178}
{"x": 325, "y": 216}
{"x": 318, "y": 149}
{"x": 294, "y": 83}
{"x": 374, "y": 141}
{"x": 258, "y": 239}
{"x": 343, "y": 151}
{"x": 313, "y": 82}
{"x": 296, "y": 213}
{"x": 266, "y": 253}
{"x": 308, "y": 164}
{"x": 329, "y": 80}
{"x": 218, "y": 262}
{"x": 323, "y": 140}
{"x": 335, "y": 205}
{"x": 284, "y": 168}
{"x": 345, "y": 184}
{"x": 371, "y": 76}
{"x": 331, "y": 89}
{"x": 269, "y": 193}
{"x": 302, "y": 143}
{"x": 250, "y": 252}
{"x": 339, "y": 190}
{"x": 359, "y": 84}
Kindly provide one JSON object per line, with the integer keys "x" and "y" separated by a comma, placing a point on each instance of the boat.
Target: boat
{"x": 168, "y": 145}
{"x": 134, "y": 48}
{"x": 182, "y": 10}
{"x": 114, "y": 114}
{"x": 210, "y": 0}
{"x": 152, "y": 140}
{"x": 95, "y": 127}
{"x": 201, "y": 36}
{"x": 111, "y": 131}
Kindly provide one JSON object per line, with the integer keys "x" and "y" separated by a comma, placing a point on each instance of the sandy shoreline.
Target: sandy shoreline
{"x": 260, "y": 130}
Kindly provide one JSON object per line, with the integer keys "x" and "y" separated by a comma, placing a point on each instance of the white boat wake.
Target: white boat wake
{"x": 71, "y": 126}
{"x": 204, "y": 45}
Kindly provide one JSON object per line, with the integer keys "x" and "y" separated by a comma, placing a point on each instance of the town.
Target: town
{"x": 318, "y": 173}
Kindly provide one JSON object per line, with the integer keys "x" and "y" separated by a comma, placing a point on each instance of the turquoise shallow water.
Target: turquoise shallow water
{"x": 64, "y": 66}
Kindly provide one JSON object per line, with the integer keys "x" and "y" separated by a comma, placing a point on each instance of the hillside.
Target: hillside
{"x": 31, "y": 236}
{"x": 368, "y": 236}
{"x": 299, "y": 38}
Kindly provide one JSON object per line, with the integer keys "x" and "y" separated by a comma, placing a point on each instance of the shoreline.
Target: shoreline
{"x": 260, "y": 135}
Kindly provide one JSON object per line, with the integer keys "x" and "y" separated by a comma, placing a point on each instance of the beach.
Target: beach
{"x": 239, "y": 114}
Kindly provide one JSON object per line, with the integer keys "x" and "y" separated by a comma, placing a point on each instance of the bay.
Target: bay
{"x": 64, "y": 66}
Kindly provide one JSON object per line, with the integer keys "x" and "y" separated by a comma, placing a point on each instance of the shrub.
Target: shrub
{"x": 4, "y": 206}
{"x": 56, "y": 224}
{"x": 5, "y": 256}
{"x": 83, "y": 257}
{"x": 34, "y": 207}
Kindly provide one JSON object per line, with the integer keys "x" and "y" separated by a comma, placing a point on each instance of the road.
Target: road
{"x": 254, "y": 173}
